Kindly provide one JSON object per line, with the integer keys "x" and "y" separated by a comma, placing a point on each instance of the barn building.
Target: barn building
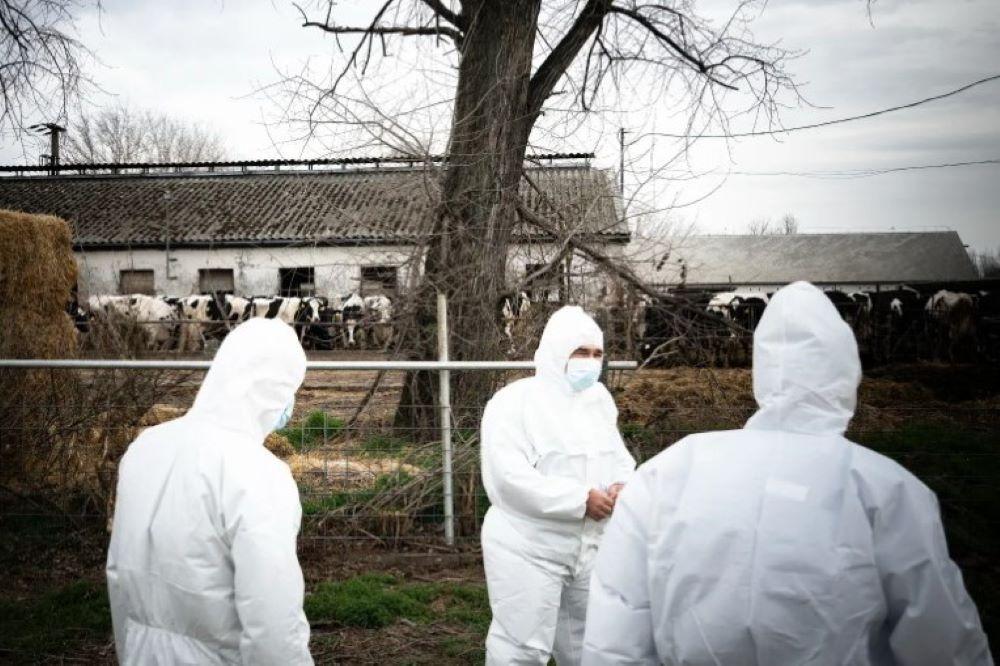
{"x": 321, "y": 227}
{"x": 845, "y": 261}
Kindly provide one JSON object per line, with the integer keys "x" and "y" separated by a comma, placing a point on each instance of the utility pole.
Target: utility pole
{"x": 621, "y": 165}
{"x": 53, "y": 131}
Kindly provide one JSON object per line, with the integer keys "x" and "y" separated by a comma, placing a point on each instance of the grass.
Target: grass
{"x": 383, "y": 446}
{"x": 375, "y": 601}
{"x": 315, "y": 505}
{"x": 56, "y": 621}
{"x": 316, "y": 428}
{"x": 959, "y": 465}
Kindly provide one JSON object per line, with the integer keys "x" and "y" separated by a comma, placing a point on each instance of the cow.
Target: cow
{"x": 201, "y": 320}
{"x": 951, "y": 318}
{"x": 237, "y": 308}
{"x": 741, "y": 307}
{"x": 378, "y": 317}
{"x": 353, "y": 314}
{"x": 81, "y": 318}
{"x": 512, "y": 309}
{"x": 155, "y": 316}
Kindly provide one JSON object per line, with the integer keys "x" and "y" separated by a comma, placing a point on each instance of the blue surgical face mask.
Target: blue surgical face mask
{"x": 582, "y": 373}
{"x": 285, "y": 415}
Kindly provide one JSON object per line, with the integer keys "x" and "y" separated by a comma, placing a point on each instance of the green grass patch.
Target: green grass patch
{"x": 383, "y": 446}
{"x": 316, "y": 428}
{"x": 374, "y": 601}
{"x": 56, "y": 620}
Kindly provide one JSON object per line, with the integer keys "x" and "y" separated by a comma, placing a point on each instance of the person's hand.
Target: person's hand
{"x": 599, "y": 504}
{"x": 614, "y": 489}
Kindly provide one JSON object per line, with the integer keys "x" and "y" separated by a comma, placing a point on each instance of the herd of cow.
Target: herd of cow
{"x": 901, "y": 323}
{"x": 190, "y": 323}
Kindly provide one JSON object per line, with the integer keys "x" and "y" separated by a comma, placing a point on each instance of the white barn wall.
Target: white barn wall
{"x": 255, "y": 269}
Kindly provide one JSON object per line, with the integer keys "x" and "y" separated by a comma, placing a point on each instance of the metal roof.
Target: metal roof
{"x": 858, "y": 258}
{"x": 335, "y": 207}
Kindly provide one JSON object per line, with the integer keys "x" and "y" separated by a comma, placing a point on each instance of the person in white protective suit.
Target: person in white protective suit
{"x": 553, "y": 462}
{"x": 783, "y": 542}
{"x": 202, "y": 567}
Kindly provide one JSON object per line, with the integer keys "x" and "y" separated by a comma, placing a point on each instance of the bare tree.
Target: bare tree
{"x": 516, "y": 60}
{"x": 764, "y": 226}
{"x": 760, "y": 226}
{"x": 789, "y": 224}
{"x": 121, "y": 134}
{"x": 987, "y": 262}
{"x": 40, "y": 60}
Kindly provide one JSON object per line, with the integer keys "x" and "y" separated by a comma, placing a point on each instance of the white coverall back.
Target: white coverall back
{"x": 782, "y": 543}
{"x": 544, "y": 447}
{"x": 202, "y": 567}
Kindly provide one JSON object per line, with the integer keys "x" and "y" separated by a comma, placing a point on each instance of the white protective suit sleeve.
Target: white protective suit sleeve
{"x": 267, "y": 579}
{"x": 509, "y": 470}
{"x": 619, "y": 622}
{"x": 931, "y": 619}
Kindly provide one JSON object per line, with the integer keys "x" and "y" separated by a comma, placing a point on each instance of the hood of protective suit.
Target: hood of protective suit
{"x": 254, "y": 376}
{"x": 567, "y": 329}
{"x": 806, "y": 368}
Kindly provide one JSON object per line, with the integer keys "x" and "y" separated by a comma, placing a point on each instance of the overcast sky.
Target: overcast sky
{"x": 203, "y": 61}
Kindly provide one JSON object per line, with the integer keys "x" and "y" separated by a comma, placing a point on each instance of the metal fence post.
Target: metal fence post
{"x": 444, "y": 391}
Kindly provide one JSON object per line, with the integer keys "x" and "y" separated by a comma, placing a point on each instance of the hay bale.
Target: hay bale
{"x": 279, "y": 445}
{"x": 37, "y": 273}
{"x": 37, "y": 268}
{"x": 322, "y": 471}
{"x": 160, "y": 413}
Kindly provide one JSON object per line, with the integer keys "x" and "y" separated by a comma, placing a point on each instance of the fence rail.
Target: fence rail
{"x": 132, "y": 364}
{"x": 442, "y": 367}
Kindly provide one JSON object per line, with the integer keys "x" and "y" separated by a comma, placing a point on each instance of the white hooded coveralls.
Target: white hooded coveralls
{"x": 202, "y": 566}
{"x": 782, "y": 543}
{"x": 544, "y": 447}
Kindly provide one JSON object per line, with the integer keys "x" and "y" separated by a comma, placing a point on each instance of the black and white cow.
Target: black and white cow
{"x": 951, "y": 319}
{"x": 513, "y": 309}
{"x": 81, "y": 318}
{"x": 353, "y": 314}
{"x": 154, "y": 314}
{"x": 741, "y": 307}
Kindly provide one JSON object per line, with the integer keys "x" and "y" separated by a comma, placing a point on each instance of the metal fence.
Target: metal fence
{"x": 361, "y": 476}
{"x": 364, "y": 480}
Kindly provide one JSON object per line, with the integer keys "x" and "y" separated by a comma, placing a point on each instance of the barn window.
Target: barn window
{"x": 550, "y": 283}
{"x": 136, "y": 282}
{"x": 298, "y": 281}
{"x": 379, "y": 280}
{"x": 215, "y": 280}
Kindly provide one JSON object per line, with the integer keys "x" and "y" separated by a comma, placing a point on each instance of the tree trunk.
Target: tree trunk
{"x": 467, "y": 255}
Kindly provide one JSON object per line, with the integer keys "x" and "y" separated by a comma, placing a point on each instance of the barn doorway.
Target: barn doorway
{"x": 379, "y": 280}
{"x": 298, "y": 281}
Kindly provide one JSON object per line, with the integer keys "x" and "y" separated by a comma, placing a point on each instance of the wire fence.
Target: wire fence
{"x": 366, "y": 480}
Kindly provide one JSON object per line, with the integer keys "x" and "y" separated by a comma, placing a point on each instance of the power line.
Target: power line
{"x": 863, "y": 173}
{"x": 827, "y": 123}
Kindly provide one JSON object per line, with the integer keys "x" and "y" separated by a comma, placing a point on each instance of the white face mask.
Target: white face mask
{"x": 582, "y": 373}
{"x": 285, "y": 415}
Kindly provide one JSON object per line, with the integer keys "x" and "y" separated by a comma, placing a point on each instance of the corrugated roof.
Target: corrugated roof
{"x": 827, "y": 258}
{"x": 318, "y": 207}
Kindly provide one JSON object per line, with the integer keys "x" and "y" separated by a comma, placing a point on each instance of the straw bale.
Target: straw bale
{"x": 331, "y": 472}
{"x": 278, "y": 445}
{"x": 37, "y": 269}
